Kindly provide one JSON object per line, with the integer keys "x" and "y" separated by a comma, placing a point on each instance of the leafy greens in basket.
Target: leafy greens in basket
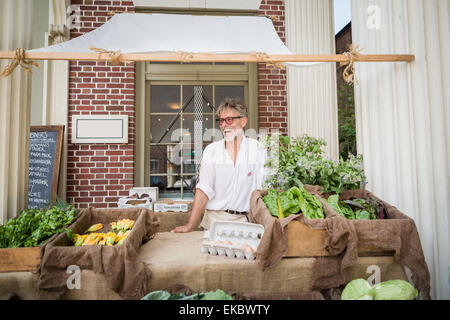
{"x": 293, "y": 201}
{"x": 355, "y": 209}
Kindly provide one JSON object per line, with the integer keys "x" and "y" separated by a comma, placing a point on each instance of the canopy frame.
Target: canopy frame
{"x": 210, "y": 57}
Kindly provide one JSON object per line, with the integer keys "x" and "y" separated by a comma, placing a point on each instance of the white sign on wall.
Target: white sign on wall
{"x": 99, "y": 129}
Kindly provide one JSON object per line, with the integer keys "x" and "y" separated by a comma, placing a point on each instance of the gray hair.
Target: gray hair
{"x": 233, "y": 104}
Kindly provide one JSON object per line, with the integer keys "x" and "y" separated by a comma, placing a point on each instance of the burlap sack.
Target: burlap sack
{"x": 123, "y": 272}
{"x": 397, "y": 233}
{"x": 341, "y": 241}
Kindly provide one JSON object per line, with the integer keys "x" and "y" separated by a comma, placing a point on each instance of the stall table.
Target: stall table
{"x": 176, "y": 259}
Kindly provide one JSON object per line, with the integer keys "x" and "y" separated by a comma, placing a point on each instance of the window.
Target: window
{"x": 179, "y": 109}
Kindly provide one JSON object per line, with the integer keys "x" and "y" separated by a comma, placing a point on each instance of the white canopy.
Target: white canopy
{"x": 161, "y": 33}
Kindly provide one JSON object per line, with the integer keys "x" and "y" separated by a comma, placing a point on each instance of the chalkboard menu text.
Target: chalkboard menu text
{"x": 44, "y": 161}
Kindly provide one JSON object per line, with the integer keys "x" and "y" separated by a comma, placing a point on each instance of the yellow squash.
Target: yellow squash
{"x": 95, "y": 227}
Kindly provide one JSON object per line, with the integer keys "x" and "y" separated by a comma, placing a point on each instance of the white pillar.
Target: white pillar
{"x": 15, "y": 31}
{"x": 56, "y": 85}
{"x": 402, "y": 117}
{"x": 312, "y": 94}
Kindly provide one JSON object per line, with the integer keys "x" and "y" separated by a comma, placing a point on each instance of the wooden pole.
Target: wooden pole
{"x": 208, "y": 57}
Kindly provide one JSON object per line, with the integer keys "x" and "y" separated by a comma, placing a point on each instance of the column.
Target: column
{"x": 402, "y": 118}
{"x": 56, "y": 85}
{"x": 15, "y": 29}
{"x": 312, "y": 94}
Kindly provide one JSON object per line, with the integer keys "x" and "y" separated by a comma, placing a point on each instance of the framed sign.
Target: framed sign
{"x": 44, "y": 162}
{"x": 100, "y": 129}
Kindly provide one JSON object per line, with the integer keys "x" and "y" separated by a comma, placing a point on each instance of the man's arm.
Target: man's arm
{"x": 200, "y": 201}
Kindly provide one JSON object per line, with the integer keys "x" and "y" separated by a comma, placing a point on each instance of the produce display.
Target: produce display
{"x": 122, "y": 227}
{"x": 293, "y": 162}
{"x": 210, "y": 295}
{"x": 360, "y": 289}
{"x": 293, "y": 201}
{"x": 34, "y": 226}
{"x": 357, "y": 209}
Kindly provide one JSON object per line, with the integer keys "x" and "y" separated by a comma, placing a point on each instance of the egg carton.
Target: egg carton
{"x": 232, "y": 239}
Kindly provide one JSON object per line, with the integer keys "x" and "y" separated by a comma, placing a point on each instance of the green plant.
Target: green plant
{"x": 34, "y": 226}
{"x": 360, "y": 289}
{"x": 298, "y": 161}
{"x": 293, "y": 201}
{"x": 346, "y": 120}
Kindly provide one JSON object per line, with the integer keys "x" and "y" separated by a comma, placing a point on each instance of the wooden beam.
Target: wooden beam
{"x": 208, "y": 57}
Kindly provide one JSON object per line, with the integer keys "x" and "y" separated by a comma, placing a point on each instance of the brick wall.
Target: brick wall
{"x": 272, "y": 93}
{"x": 98, "y": 174}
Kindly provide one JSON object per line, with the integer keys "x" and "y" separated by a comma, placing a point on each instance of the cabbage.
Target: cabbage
{"x": 360, "y": 289}
{"x": 210, "y": 295}
{"x": 216, "y": 295}
{"x": 357, "y": 289}
{"x": 394, "y": 290}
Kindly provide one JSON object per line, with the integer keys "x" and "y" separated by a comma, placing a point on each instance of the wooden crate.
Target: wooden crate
{"x": 20, "y": 259}
{"x": 304, "y": 241}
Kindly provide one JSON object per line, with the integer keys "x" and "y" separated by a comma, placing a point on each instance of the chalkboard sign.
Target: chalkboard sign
{"x": 44, "y": 161}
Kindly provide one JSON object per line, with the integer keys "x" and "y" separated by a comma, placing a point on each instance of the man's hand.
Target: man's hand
{"x": 200, "y": 200}
{"x": 183, "y": 229}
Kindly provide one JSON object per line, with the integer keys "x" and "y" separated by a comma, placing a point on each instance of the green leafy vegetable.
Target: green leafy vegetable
{"x": 298, "y": 161}
{"x": 216, "y": 295}
{"x": 360, "y": 289}
{"x": 363, "y": 210}
{"x": 211, "y": 295}
{"x": 293, "y": 201}
{"x": 394, "y": 290}
{"x": 34, "y": 226}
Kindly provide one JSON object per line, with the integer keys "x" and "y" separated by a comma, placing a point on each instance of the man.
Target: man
{"x": 230, "y": 170}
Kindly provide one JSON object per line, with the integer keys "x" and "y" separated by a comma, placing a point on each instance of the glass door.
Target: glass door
{"x": 181, "y": 116}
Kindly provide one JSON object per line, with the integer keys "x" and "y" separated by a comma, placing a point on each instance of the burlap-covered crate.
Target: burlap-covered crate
{"x": 336, "y": 241}
{"x": 396, "y": 233}
{"x": 124, "y": 273}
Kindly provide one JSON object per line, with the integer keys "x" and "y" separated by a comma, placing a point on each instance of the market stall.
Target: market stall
{"x": 176, "y": 259}
{"x": 158, "y": 259}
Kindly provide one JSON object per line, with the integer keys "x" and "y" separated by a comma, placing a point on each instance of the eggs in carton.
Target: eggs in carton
{"x": 232, "y": 239}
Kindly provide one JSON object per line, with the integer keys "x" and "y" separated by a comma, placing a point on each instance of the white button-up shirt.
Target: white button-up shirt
{"x": 229, "y": 186}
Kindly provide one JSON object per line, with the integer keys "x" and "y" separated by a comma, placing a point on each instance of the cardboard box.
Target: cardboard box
{"x": 170, "y": 205}
{"x": 153, "y": 192}
{"x": 147, "y": 203}
{"x": 124, "y": 203}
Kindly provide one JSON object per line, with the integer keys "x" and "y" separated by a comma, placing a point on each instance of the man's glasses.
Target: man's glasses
{"x": 227, "y": 120}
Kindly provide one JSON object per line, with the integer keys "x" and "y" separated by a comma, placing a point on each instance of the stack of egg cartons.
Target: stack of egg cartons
{"x": 232, "y": 239}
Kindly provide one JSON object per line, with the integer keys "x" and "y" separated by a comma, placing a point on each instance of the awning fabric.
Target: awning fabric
{"x": 160, "y": 33}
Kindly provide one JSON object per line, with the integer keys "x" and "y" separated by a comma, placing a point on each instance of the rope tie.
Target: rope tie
{"x": 185, "y": 56}
{"x": 262, "y": 57}
{"x": 54, "y": 34}
{"x": 278, "y": 65}
{"x": 19, "y": 59}
{"x": 349, "y": 71}
{"x": 113, "y": 55}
